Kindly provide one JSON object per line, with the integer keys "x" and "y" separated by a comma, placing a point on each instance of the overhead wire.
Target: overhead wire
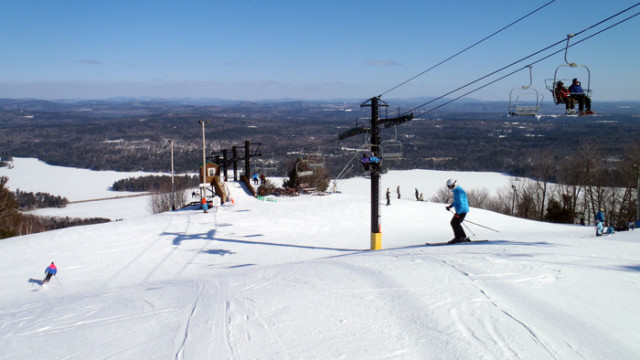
{"x": 518, "y": 61}
{"x": 466, "y": 49}
{"x": 535, "y": 62}
{"x": 525, "y": 58}
{"x": 329, "y": 141}
{"x": 456, "y": 54}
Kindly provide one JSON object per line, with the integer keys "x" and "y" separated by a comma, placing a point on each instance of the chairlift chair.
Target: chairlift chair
{"x": 392, "y": 149}
{"x": 315, "y": 163}
{"x": 315, "y": 160}
{"x": 270, "y": 167}
{"x": 303, "y": 169}
{"x": 525, "y": 100}
{"x": 257, "y": 168}
{"x": 552, "y": 83}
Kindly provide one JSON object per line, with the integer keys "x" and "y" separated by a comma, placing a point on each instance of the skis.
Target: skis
{"x": 460, "y": 243}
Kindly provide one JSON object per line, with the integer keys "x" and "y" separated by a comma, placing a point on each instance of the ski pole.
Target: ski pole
{"x": 482, "y": 226}
{"x": 465, "y": 225}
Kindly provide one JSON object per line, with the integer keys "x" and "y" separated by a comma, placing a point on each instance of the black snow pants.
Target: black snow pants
{"x": 456, "y": 224}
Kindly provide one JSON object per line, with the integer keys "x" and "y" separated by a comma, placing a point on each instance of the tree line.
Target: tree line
{"x": 15, "y": 223}
{"x": 154, "y": 183}
{"x": 30, "y": 201}
{"x": 568, "y": 189}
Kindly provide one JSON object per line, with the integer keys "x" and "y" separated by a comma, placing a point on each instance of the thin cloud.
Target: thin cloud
{"x": 383, "y": 63}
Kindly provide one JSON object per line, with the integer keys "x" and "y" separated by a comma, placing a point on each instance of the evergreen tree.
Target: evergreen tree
{"x": 9, "y": 213}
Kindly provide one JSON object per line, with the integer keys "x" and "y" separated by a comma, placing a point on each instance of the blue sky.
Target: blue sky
{"x": 254, "y": 50}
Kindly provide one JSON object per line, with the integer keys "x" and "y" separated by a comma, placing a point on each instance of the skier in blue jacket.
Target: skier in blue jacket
{"x": 600, "y": 222}
{"x": 50, "y": 271}
{"x": 578, "y": 94}
{"x": 461, "y": 204}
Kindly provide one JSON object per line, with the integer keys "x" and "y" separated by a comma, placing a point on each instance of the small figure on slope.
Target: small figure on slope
{"x": 601, "y": 226}
{"x": 600, "y": 222}
{"x": 205, "y": 204}
{"x": 50, "y": 271}
{"x": 461, "y": 204}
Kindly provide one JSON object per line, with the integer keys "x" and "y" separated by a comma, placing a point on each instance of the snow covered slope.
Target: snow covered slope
{"x": 294, "y": 279}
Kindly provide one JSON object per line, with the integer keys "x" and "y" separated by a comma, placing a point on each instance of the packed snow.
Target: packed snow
{"x": 295, "y": 279}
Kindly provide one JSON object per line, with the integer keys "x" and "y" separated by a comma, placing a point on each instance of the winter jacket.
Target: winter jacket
{"x": 576, "y": 89}
{"x": 561, "y": 93}
{"x": 600, "y": 216}
{"x": 52, "y": 269}
{"x": 460, "y": 201}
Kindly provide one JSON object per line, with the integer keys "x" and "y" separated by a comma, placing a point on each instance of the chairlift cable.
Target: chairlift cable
{"x": 486, "y": 76}
{"x": 537, "y": 61}
{"x": 332, "y": 140}
{"x": 460, "y": 52}
{"x": 609, "y": 18}
{"x": 467, "y": 48}
{"x": 522, "y": 59}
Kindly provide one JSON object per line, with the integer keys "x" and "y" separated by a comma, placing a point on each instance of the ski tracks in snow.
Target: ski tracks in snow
{"x": 208, "y": 330}
{"x": 180, "y": 351}
{"x": 504, "y": 341}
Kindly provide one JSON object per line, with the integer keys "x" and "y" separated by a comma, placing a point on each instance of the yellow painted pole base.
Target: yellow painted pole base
{"x": 376, "y": 241}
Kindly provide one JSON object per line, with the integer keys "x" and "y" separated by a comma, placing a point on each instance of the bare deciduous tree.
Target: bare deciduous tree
{"x": 161, "y": 201}
{"x": 544, "y": 168}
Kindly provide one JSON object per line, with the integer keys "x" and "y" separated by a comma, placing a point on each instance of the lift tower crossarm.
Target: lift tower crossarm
{"x": 353, "y": 132}
{"x": 395, "y": 121}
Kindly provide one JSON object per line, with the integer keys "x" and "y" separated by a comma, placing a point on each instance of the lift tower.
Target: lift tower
{"x": 375, "y": 103}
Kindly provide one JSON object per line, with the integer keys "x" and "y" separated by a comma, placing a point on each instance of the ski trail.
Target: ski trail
{"x": 243, "y": 311}
{"x": 180, "y": 353}
{"x": 493, "y": 303}
{"x": 228, "y": 332}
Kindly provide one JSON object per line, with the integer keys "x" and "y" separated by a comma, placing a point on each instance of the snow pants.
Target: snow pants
{"x": 456, "y": 224}
{"x": 47, "y": 278}
{"x": 599, "y": 228}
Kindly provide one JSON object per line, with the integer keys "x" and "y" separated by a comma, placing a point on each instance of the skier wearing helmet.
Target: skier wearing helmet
{"x": 461, "y": 204}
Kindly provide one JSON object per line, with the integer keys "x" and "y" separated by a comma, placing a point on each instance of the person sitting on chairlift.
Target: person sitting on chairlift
{"x": 579, "y": 95}
{"x": 365, "y": 161}
{"x": 563, "y": 96}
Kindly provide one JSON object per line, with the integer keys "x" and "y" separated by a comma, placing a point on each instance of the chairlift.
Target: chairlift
{"x": 392, "y": 149}
{"x": 315, "y": 161}
{"x": 525, "y": 100}
{"x": 270, "y": 166}
{"x": 257, "y": 167}
{"x": 303, "y": 168}
{"x": 568, "y": 76}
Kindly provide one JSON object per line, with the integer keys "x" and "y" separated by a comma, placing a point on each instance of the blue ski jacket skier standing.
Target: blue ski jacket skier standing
{"x": 600, "y": 222}
{"x": 461, "y": 204}
{"x": 49, "y": 272}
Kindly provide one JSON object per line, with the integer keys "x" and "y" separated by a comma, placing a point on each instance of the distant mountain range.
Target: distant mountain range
{"x": 123, "y": 104}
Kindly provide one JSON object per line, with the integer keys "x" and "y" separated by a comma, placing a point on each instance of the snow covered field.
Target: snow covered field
{"x": 32, "y": 175}
{"x": 294, "y": 279}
